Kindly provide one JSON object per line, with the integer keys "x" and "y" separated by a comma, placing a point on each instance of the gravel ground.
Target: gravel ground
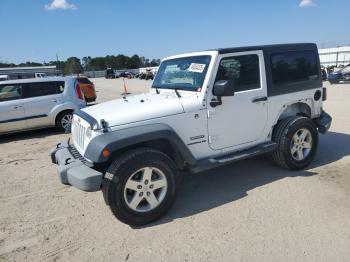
{"x": 248, "y": 211}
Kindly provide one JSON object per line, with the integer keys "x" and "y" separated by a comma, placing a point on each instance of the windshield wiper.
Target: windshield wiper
{"x": 175, "y": 89}
{"x": 157, "y": 90}
{"x": 177, "y": 92}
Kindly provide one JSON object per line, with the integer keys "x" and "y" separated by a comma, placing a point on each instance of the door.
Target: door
{"x": 241, "y": 119}
{"x": 12, "y": 117}
{"x": 41, "y": 99}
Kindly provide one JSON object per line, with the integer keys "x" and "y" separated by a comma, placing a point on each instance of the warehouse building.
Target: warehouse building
{"x": 29, "y": 72}
{"x": 337, "y": 56}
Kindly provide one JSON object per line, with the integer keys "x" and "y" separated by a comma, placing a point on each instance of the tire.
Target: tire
{"x": 297, "y": 141}
{"x": 62, "y": 119}
{"x": 132, "y": 167}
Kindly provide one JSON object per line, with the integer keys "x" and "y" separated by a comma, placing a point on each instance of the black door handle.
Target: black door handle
{"x": 260, "y": 99}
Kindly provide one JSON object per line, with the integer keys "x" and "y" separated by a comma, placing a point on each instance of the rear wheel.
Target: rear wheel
{"x": 140, "y": 186}
{"x": 63, "y": 120}
{"x": 297, "y": 141}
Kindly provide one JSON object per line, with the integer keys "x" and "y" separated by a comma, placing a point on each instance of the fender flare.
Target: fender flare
{"x": 119, "y": 139}
{"x": 304, "y": 103}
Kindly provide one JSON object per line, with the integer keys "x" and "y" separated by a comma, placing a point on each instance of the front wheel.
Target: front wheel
{"x": 140, "y": 186}
{"x": 297, "y": 141}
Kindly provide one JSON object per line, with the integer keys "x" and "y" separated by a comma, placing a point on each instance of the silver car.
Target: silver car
{"x": 36, "y": 103}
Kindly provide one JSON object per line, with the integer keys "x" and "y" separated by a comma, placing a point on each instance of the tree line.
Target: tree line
{"x": 73, "y": 65}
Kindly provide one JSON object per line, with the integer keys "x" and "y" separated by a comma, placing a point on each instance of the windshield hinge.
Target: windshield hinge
{"x": 177, "y": 92}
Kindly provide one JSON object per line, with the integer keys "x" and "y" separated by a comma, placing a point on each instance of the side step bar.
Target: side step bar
{"x": 206, "y": 164}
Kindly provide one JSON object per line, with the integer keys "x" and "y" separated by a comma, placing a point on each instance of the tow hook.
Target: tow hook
{"x": 67, "y": 161}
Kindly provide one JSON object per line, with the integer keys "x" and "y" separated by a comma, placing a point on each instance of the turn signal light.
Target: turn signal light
{"x": 78, "y": 92}
{"x": 106, "y": 153}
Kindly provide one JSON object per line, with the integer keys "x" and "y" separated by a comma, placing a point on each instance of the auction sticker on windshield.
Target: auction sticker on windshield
{"x": 197, "y": 68}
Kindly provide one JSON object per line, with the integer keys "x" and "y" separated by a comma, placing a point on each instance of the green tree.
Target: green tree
{"x": 28, "y": 63}
{"x": 97, "y": 63}
{"x": 155, "y": 62}
{"x": 73, "y": 66}
{"x": 86, "y": 61}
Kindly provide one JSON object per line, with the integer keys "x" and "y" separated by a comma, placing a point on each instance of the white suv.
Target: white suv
{"x": 206, "y": 109}
{"x": 36, "y": 103}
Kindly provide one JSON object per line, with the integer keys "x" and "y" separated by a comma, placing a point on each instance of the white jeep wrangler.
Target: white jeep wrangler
{"x": 206, "y": 109}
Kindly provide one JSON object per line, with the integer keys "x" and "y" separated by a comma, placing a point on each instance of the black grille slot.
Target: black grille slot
{"x": 77, "y": 155}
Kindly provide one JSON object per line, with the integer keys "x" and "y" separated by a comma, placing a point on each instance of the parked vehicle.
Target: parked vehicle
{"x": 126, "y": 74}
{"x": 337, "y": 76}
{"x": 110, "y": 73}
{"x": 142, "y": 75}
{"x": 36, "y": 103}
{"x": 88, "y": 89}
{"x": 206, "y": 109}
{"x": 4, "y": 77}
{"x": 148, "y": 75}
{"x": 324, "y": 73}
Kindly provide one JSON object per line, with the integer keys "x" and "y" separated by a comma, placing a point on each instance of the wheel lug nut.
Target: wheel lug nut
{"x": 148, "y": 193}
{"x": 141, "y": 194}
{"x": 151, "y": 186}
{"x": 139, "y": 187}
{"x": 146, "y": 182}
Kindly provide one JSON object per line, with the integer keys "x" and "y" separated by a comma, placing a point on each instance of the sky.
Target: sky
{"x": 37, "y": 30}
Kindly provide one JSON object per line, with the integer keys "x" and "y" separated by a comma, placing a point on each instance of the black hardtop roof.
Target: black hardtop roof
{"x": 277, "y": 47}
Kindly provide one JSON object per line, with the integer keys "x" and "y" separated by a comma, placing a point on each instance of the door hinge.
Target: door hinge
{"x": 211, "y": 113}
{"x": 212, "y": 139}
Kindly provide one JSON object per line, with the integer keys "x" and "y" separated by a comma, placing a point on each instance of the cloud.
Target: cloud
{"x": 306, "y": 3}
{"x": 60, "y": 4}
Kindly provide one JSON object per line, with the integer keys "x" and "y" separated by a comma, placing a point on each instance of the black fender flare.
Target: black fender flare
{"x": 119, "y": 139}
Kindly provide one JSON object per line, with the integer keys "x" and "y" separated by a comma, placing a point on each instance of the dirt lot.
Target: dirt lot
{"x": 249, "y": 211}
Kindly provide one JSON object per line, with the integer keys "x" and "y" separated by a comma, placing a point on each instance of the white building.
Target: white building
{"x": 335, "y": 56}
{"x": 29, "y": 71}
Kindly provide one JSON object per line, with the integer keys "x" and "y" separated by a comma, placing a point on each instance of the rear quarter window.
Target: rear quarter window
{"x": 294, "y": 66}
{"x": 44, "y": 88}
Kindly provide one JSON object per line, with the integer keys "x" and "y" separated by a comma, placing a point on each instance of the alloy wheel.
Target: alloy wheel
{"x": 301, "y": 144}
{"x": 145, "y": 189}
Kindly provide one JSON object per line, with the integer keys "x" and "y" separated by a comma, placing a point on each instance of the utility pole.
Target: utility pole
{"x": 58, "y": 62}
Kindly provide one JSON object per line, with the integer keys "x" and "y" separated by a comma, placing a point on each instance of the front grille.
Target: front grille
{"x": 78, "y": 133}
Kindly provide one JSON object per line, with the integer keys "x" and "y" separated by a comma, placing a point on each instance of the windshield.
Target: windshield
{"x": 186, "y": 73}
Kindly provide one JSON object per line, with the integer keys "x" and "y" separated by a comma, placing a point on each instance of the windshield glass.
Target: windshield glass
{"x": 186, "y": 73}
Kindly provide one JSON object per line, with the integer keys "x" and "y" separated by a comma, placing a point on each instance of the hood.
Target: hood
{"x": 135, "y": 108}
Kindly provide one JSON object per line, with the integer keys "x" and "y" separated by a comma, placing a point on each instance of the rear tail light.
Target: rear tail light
{"x": 78, "y": 92}
{"x": 324, "y": 94}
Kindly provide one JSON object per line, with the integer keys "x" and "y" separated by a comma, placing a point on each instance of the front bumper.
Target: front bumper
{"x": 73, "y": 169}
{"x": 323, "y": 122}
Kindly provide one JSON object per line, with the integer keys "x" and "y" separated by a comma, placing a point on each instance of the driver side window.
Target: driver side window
{"x": 242, "y": 70}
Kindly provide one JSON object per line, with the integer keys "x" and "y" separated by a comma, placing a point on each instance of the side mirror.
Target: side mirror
{"x": 222, "y": 88}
